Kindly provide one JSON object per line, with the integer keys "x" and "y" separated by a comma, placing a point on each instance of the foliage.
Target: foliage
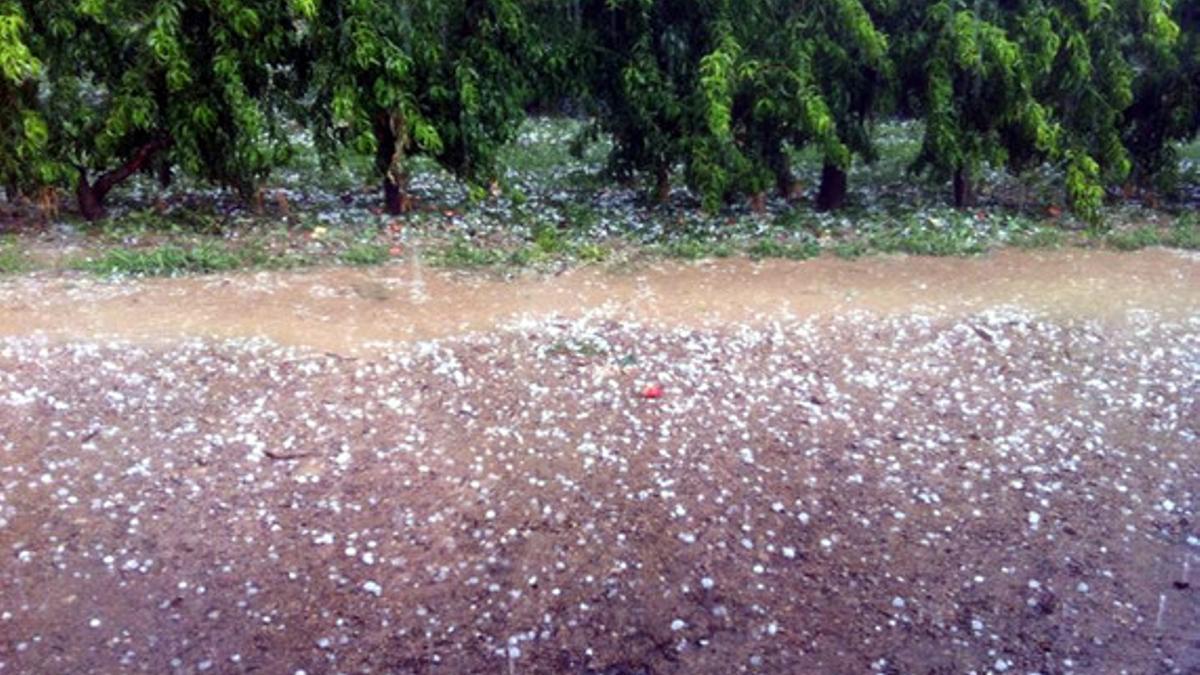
{"x": 129, "y": 86}
{"x": 439, "y": 78}
{"x": 23, "y": 132}
{"x": 1166, "y": 102}
{"x": 723, "y": 94}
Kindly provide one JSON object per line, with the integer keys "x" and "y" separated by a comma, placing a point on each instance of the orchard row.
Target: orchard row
{"x": 719, "y": 92}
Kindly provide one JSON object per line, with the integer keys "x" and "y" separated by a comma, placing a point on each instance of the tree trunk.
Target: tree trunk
{"x": 758, "y": 202}
{"x": 964, "y": 192}
{"x": 662, "y": 185}
{"x": 91, "y": 205}
{"x": 834, "y": 182}
{"x": 395, "y": 201}
{"x": 387, "y": 160}
{"x": 785, "y": 183}
{"x": 91, "y": 196}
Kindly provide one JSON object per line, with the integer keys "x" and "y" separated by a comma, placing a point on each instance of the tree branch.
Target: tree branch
{"x": 106, "y": 182}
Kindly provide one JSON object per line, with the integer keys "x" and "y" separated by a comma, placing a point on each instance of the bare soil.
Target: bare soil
{"x": 890, "y": 466}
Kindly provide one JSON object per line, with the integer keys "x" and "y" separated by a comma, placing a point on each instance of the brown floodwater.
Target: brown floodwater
{"x": 350, "y": 310}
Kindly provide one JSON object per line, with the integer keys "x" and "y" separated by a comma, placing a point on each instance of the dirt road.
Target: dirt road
{"x": 889, "y": 466}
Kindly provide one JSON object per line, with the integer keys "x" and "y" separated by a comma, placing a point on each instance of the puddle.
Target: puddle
{"x": 346, "y": 310}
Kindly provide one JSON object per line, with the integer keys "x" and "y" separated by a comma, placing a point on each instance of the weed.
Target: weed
{"x": 548, "y": 239}
{"x": 773, "y": 248}
{"x": 1185, "y": 234}
{"x": 697, "y": 249}
{"x": 526, "y": 256}
{"x": 580, "y": 217}
{"x": 851, "y": 250}
{"x": 591, "y": 253}
{"x": 462, "y": 253}
{"x": 12, "y": 258}
{"x": 1039, "y": 237}
{"x": 1135, "y": 239}
{"x": 932, "y": 236}
{"x": 365, "y": 254}
{"x": 164, "y": 261}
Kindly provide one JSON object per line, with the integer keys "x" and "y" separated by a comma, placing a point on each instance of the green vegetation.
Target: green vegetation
{"x": 12, "y": 258}
{"x": 365, "y": 254}
{"x": 164, "y": 261}
{"x": 1134, "y": 239}
{"x": 763, "y": 128}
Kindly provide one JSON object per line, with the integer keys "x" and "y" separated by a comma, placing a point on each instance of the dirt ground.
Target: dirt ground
{"x": 887, "y": 466}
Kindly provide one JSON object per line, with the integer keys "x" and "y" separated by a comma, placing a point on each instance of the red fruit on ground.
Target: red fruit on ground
{"x": 652, "y": 391}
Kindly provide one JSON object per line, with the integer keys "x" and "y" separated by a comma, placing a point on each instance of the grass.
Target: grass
{"x": 697, "y": 249}
{"x": 465, "y": 254}
{"x": 774, "y": 248}
{"x": 365, "y": 254}
{"x": 1135, "y": 239}
{"x": 1039, "y": 238}
{"x": 12, "y": 257}
{"x": 168, "y": 260}
{"x": 851, "y": 250}
{"x": 932, "y": 235}
{"x": 1185, "y": 234}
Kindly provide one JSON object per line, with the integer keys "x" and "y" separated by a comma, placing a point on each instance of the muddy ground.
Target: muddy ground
{"x": 889, "y": 466}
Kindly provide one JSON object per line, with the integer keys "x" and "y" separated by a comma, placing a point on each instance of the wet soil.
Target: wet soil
{"x": 346, "y": 310}
{"x": 891, "y": 466}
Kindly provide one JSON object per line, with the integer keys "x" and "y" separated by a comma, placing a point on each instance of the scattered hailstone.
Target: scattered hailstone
{"x": 678, "y": 624}
{"x": 707, "y": 583}
{"x": 1035, "y": 519}
{"x": 1168, "y": 505}
{"x": 373, "y": 588}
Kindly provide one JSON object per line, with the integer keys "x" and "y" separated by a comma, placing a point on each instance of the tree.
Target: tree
{"x": 972, "y": 82}
{"x": 131, "y": 86}
{"x": 441, "y": 78}
{"x": 1166, "y": 98}
{"x": 643, "y": 81}
{"x": 23, "y": 132}
{"x": 1103, "y": 48}
{"x": 723, "y": 89}
{"x": 809, "y": 74}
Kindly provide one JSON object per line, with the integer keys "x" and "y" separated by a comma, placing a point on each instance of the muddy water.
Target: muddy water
{"x": 347, "y": 311}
